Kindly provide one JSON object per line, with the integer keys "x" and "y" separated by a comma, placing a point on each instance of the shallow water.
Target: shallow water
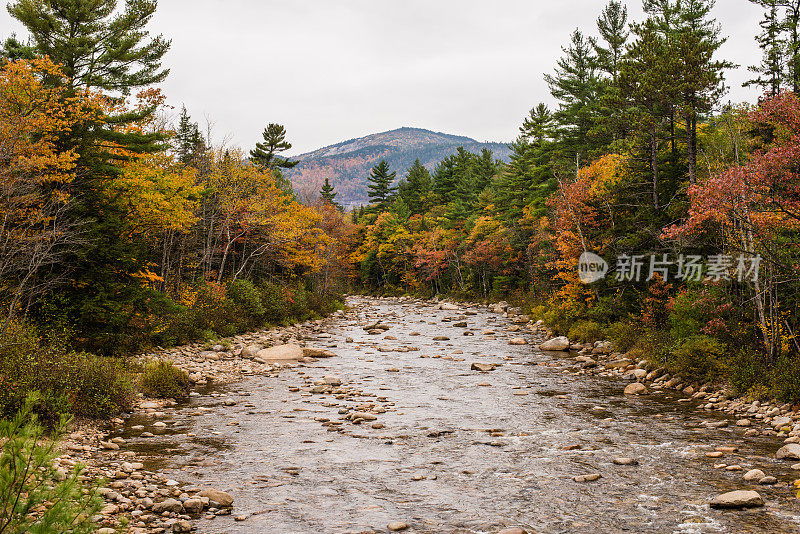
{"x": 289, "y": 474}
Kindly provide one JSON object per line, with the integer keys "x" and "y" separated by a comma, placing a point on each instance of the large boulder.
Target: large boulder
{"x": 220, "y": 498}
{"x": 790, "y": 451}
{"x": 557, "y": 344}
{"x": 281, "y": 352}
{"x": 738, "y": 499}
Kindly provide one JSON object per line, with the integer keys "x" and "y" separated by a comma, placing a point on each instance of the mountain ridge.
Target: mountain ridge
{"x": 347, "y": 164}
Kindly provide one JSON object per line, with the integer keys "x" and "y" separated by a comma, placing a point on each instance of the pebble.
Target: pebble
{"x": 397, "y": 526}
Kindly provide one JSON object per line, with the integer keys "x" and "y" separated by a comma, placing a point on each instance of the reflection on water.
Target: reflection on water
{"x": 461, "y": 451}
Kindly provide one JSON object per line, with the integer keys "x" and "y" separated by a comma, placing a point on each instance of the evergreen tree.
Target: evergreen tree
{"x": 381, "y": 191}
{"x": 790, "y": 26}
{"x": 770, "y": 71}
{"x": 189, "y": 143}
{"x": 613, "y": 28}
{"x": 648, "y": 79}
{"x": 13, "y": 49}
{"x": 575, "y": 85}
{"x": 611, "y": 122}
{"x": 701, "y": 81}
{"x": 527, "y": 181}
{"x": 415, "y": 188}
{"x": 107, "y": 49}
{"x": 266, "y": 154}
{"x": 328, "y": 194}
{"x": 97, "y": 44}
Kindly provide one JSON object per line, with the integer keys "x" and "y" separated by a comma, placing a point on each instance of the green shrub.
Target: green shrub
{"x": 274, "y": 302}
{"x": 163, "y": 380}
{"x": 68, "y": 382}
{"x": 246, "y": 301}
{"x": 748, "y": 374}
{"x": 786, "y": 378}
{"x": 34, "y": 496}
{"x": 653, "y": 346}
{"x": 623, "y": 335}
{"x": 700, "y": 357}
{"x": 585, "y": 332}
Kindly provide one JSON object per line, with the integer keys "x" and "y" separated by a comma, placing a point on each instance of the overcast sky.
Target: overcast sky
{"x": 331, "y": 70}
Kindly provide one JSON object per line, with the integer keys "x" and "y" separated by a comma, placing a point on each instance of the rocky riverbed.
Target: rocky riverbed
{"x": 418, "y": 416}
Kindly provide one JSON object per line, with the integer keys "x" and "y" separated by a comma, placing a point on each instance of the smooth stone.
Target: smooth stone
{"x": 790, "y": 451}
{"x": 397, "y": 526}
{"x": 557, "y": 344}
{"x": 281, "y": 352}
{"x": 754, "y": 475}
{"x": 221, "y": 498}
{"x": 738, "y": 499}
{"x": 587, "y": 478}
{"x": 637, "y": 388}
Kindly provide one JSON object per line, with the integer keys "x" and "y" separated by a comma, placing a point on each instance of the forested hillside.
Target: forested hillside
{"x": 346, "y": 165}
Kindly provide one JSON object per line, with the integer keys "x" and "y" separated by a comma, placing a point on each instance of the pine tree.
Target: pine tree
{"x": 701, "y": 83}
{"x": 771, "y": 73}
{"x": 97, "y": 44}
{"x": 611, "y": 122}
{"x": 575, "y": 84}
{"x": 613, "y": 28}
{"x": 107, "y": 49}
{"x": 648, "y": 80}
{"x": 415, "y": 188}
{"x": 790, "y": 26}
{"x": 328, "y": 194}
{"x": 266, "y": 154}
{"x": 381, "y": 191}
{"x": 189, "y": 143}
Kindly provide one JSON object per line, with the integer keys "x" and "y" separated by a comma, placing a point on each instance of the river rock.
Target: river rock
{"x": 485, "y": 367}
{"x": 514, "y": 530}
{"x": 448, "y": 307}
{"x": 518, "y": 341}
{"x": 738, "y": 499}
{"x": 397, "y": 526}
{"x": 220, "y": 498}
{"x": 557, "y": 344}
{"x": 754, "y": 475}
{"x": 587, "y": 478}
{"x": 181, "y": 526}
{"x": 193, "y": 506}
{"x": 250, "y": 351}
{"x": 637, "y": 388}
{"x": 310, "y": 352}
{"x": 168, "y": 505}
{"x": 790, "y": 451}
{"x": 625, "y": 461}
{"x": 780, "y": 422}
{"x": 281, "y": 352}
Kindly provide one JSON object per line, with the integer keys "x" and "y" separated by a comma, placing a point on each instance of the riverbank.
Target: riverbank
{"x": 455, "y": 394}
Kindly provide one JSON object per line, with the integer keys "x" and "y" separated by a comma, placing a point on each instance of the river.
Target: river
{"x": 459, "y": 451}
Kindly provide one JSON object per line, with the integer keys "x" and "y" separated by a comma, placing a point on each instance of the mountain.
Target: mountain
{"x": 347, "y": 165}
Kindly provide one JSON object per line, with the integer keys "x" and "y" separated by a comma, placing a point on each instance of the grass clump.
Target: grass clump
{"x": 163, "y": 380}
